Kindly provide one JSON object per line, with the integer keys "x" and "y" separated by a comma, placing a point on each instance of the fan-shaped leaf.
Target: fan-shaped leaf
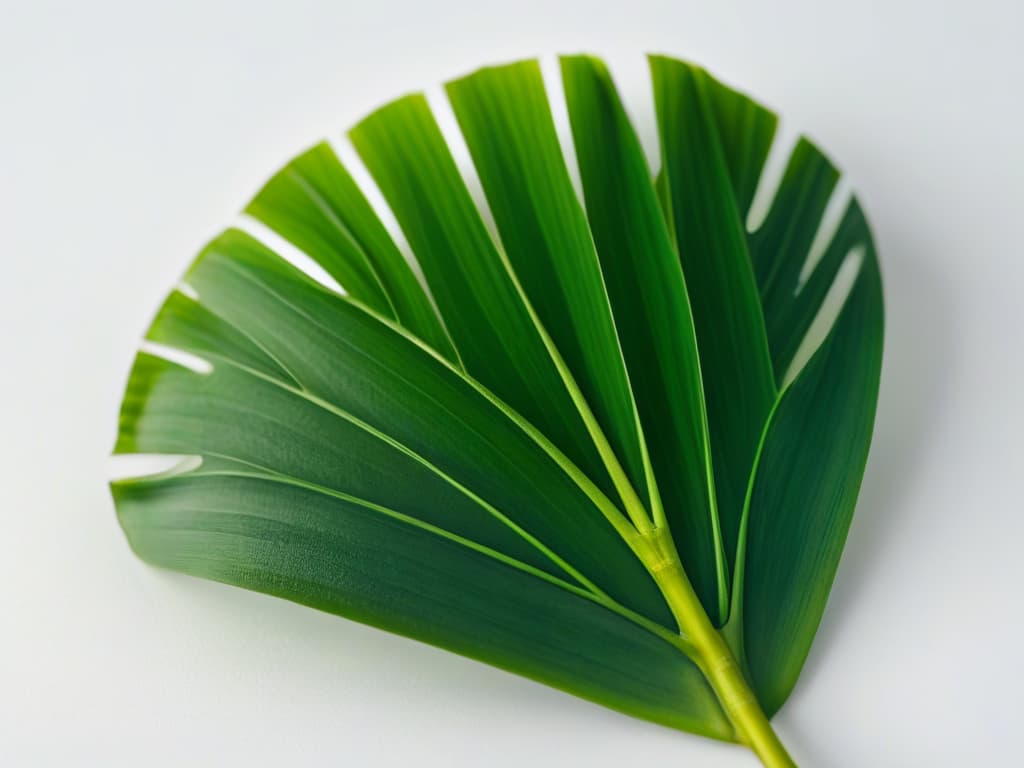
{"x": 600, "y": 447}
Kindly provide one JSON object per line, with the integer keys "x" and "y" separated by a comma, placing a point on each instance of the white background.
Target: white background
{"x": 131, "y": 132}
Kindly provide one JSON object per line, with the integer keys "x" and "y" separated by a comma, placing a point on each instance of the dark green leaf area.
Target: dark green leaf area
{"x": 707, "y": 220}
{"x": 504, "y": 115}
{"x": 780, "y": 247}
{"x": 230, "y": 414}
{"x": 652, "y": 315}
{"x": 805, "y": 488}
{"x": 482, "y": 304}
{"x": 344, "y": 558}
{"x": 402, "y": 411}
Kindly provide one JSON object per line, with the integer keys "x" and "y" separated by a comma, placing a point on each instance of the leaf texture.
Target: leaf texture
{"x": 804, "y": 489}
{"x": 314, "y": 203}
{"x": 297, "y": 542}
{"x": 531, "y": 456}
{"x": 507, "y": 123}
{"x": 653, "y": 316}
{"x": 704, "y": 212}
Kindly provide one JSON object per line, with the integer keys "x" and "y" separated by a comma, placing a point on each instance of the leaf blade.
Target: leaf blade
{"x": 781, "y": 244}
{"x": 484, "y": 310}
{"x": 739, "y": 385}
{"x": 805, "y": 486}
{"x": 314, "y": 203}
{"x": 333, "y": 556}
{"x": 353, "y": 368}
{"x": 652, "y": 313}
{"x": 506, "y": 120}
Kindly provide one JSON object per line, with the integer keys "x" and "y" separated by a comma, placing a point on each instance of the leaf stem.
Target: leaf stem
{"x": 712, "y": 653}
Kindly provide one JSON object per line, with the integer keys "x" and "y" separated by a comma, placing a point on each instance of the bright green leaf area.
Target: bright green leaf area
{"x": 583, "y": 448}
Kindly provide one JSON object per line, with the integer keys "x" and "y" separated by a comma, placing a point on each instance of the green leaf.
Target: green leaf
{"x": 781, "y": 244}
{"x": 700, "y": 165}
{"x": 314, "y": 203}
{"x": 805, "y": 486}
{"x": 617, "y": 457}
{"x": 277, "y": 536}
{"x": 384, "y": 415}
{"x": 282, "y": 454}
{"x": 652, "y": 313}
{"x": 495, "y": 331}
{"x": 505, "y": 118}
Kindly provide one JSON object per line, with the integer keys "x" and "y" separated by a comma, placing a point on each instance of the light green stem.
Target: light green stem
{"x": 713, "y": 655}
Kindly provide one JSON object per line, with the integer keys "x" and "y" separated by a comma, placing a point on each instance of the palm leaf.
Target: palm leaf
{"x": 614, "y": 446}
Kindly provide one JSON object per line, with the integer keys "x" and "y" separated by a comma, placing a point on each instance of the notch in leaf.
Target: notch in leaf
{"x": 585, "y": 448}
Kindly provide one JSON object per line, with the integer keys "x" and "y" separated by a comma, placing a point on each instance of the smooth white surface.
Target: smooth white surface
{"x": 131, "y": 132}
